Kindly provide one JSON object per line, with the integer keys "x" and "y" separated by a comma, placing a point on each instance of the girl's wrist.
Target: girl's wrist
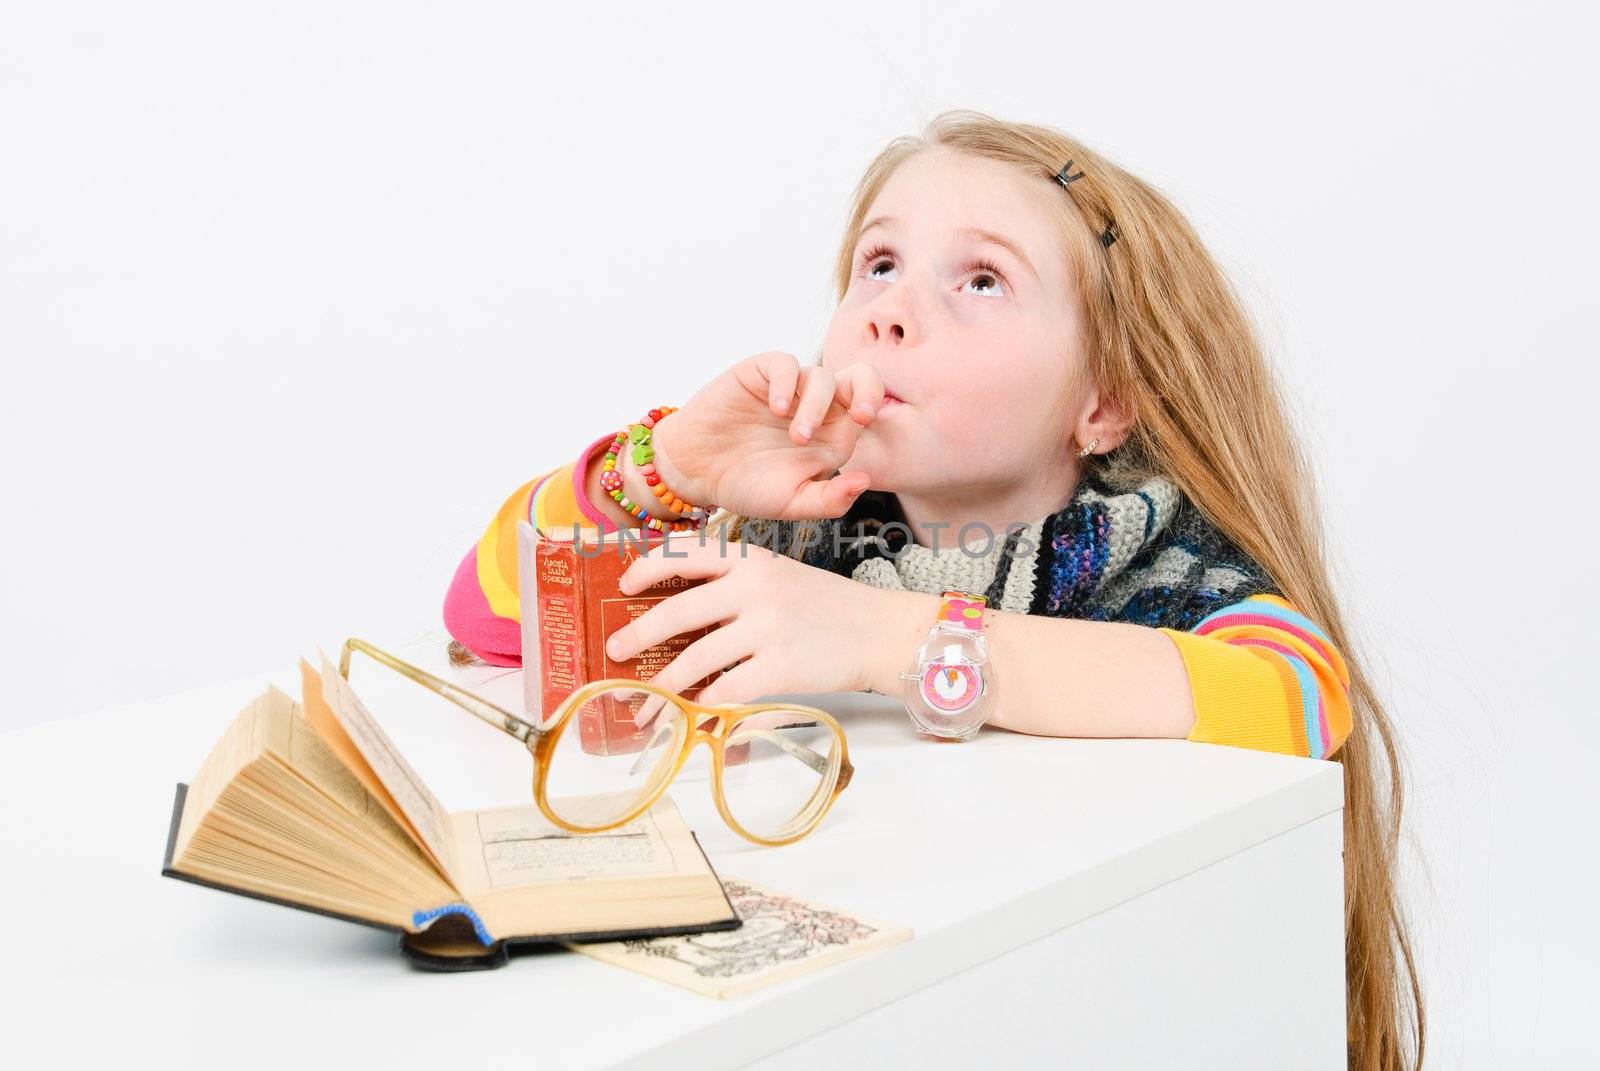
{"x": 670, "y": 474}
{"x": 601, "y": 499}
{"x": 898, "y": 628}
{"x": 632, "y": 481}
{"x": 638, "y": 489}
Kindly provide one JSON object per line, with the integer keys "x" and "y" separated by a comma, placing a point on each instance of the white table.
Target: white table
{"x": 1104, "y": 903}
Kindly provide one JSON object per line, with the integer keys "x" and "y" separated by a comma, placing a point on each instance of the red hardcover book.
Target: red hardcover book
{"x": 570, "y": 606}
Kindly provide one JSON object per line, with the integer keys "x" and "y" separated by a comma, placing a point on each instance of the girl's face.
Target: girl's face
{"x": 977, "y": 334}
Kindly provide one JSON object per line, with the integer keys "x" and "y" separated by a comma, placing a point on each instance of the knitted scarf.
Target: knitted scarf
{"x": 1142, "y": 556}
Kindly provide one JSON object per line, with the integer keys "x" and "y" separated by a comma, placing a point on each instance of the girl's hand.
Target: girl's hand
{"x": 760, "y": 438}
{"x": 798, "y": 628}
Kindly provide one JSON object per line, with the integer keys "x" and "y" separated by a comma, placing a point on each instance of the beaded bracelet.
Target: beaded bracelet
{"x": 637, "y": 438}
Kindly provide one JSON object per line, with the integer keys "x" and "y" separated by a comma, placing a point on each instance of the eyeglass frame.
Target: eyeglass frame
{"x": 541, "y": 740}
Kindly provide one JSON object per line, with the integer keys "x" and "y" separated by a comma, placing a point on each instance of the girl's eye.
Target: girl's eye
{"x": 871, "y": 259}
{"x": 987, "y": 271}
{"x": 989, "y": 275}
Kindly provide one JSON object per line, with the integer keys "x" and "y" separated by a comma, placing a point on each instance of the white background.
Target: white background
{"x": 292, "y": 296}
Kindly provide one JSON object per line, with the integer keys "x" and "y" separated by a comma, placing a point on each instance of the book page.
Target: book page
{"x": 420, "y": 809}
{"x": 782, "y": 936}
{"x": 510, "y": 847}
{"x": 311, "y": 756}
{"x": 320, "y": 716}
{"x": 280, "y": 815}
{"x": 239, "y": 745}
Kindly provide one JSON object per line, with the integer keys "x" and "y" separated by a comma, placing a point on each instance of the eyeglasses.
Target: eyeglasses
{"x": 609, "y": 751}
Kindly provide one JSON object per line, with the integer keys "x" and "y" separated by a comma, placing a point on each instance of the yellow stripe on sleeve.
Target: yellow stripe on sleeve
{"x": 1263, "y": 676}
{"x": 497, "y": 554}
{"x": 551, "y": 504}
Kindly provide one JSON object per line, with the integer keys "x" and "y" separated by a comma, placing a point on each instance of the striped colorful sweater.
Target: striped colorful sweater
{"x": 1261, "y": 674}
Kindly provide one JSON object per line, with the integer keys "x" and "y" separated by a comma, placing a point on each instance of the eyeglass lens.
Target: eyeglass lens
{"x": 779, "y": 766}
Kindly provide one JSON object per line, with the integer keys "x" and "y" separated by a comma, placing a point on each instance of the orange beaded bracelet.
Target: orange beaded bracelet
{"x": 637, "y": 438}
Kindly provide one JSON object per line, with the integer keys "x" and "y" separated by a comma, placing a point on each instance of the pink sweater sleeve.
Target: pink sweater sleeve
{"x": 482, "y": 608}
{"x": 467, "y": 617}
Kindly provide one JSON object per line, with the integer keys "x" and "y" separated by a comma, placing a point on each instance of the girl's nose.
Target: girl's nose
{"x": 890, "y": 320}
{"x": 892, "y": 316}
{"x": 891, "y": 330}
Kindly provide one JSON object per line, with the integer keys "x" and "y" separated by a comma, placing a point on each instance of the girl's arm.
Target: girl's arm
{"x": 1254, "y": 674}
{"x": 483, "y": 607}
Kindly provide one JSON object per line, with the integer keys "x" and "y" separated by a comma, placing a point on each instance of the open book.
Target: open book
{"x": 310, "y": 805}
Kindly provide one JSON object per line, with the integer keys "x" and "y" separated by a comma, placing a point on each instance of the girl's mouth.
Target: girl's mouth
{"x": 889, "y": 400}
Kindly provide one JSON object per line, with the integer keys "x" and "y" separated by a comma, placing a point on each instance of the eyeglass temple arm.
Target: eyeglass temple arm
{"x": 817, "y": 762}
{"x": 501, "y": 719}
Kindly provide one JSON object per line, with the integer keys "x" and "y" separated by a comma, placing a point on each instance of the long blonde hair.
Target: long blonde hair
{"x": 1167, "y": 333}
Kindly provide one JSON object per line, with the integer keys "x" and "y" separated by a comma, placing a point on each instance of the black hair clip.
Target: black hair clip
{"x": 1066, "y": 178}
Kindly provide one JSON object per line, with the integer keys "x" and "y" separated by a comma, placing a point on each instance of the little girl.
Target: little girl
{"x": 1037, "y": 386}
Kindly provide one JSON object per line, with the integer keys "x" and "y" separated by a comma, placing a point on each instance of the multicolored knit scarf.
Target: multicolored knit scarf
{"x": 1143, "y": 556}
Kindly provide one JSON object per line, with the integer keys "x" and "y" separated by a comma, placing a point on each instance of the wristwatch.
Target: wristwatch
{"x": 950, "y": 688}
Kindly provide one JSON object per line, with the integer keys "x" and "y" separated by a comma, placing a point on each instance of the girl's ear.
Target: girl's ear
{"x": 1109, "y": 421}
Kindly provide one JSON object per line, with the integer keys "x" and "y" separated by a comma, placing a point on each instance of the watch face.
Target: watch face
{"x": 950, "y": 687}
{"x": 949, "y": 692}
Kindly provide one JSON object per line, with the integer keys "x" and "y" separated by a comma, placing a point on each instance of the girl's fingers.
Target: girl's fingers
{"x": 650, "y": 707}
{"x": 717, "y": 649}
{"x": 686, "y": 554}
{"x": 692, "y": 608}
{"x": 783, "y": 375}
{"x": 816, "y": 395}
{"x": 829, "y": 498}
{"x": 773, "y": 374}
{"x": 746, "y": 680}
{"x": 860, "y": 389}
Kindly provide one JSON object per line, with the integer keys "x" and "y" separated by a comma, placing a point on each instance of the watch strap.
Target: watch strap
{"x": 961, "y": 610}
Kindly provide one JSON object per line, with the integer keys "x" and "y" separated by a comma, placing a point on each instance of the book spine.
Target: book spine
{"x": 532, "y": 628}
{"x": 532, "y": 660}
{"x": 422, "y": 919}
{"x": 559, "y": 634}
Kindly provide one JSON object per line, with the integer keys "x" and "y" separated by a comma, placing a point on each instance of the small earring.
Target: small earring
{"x": 1087, "y": 450}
